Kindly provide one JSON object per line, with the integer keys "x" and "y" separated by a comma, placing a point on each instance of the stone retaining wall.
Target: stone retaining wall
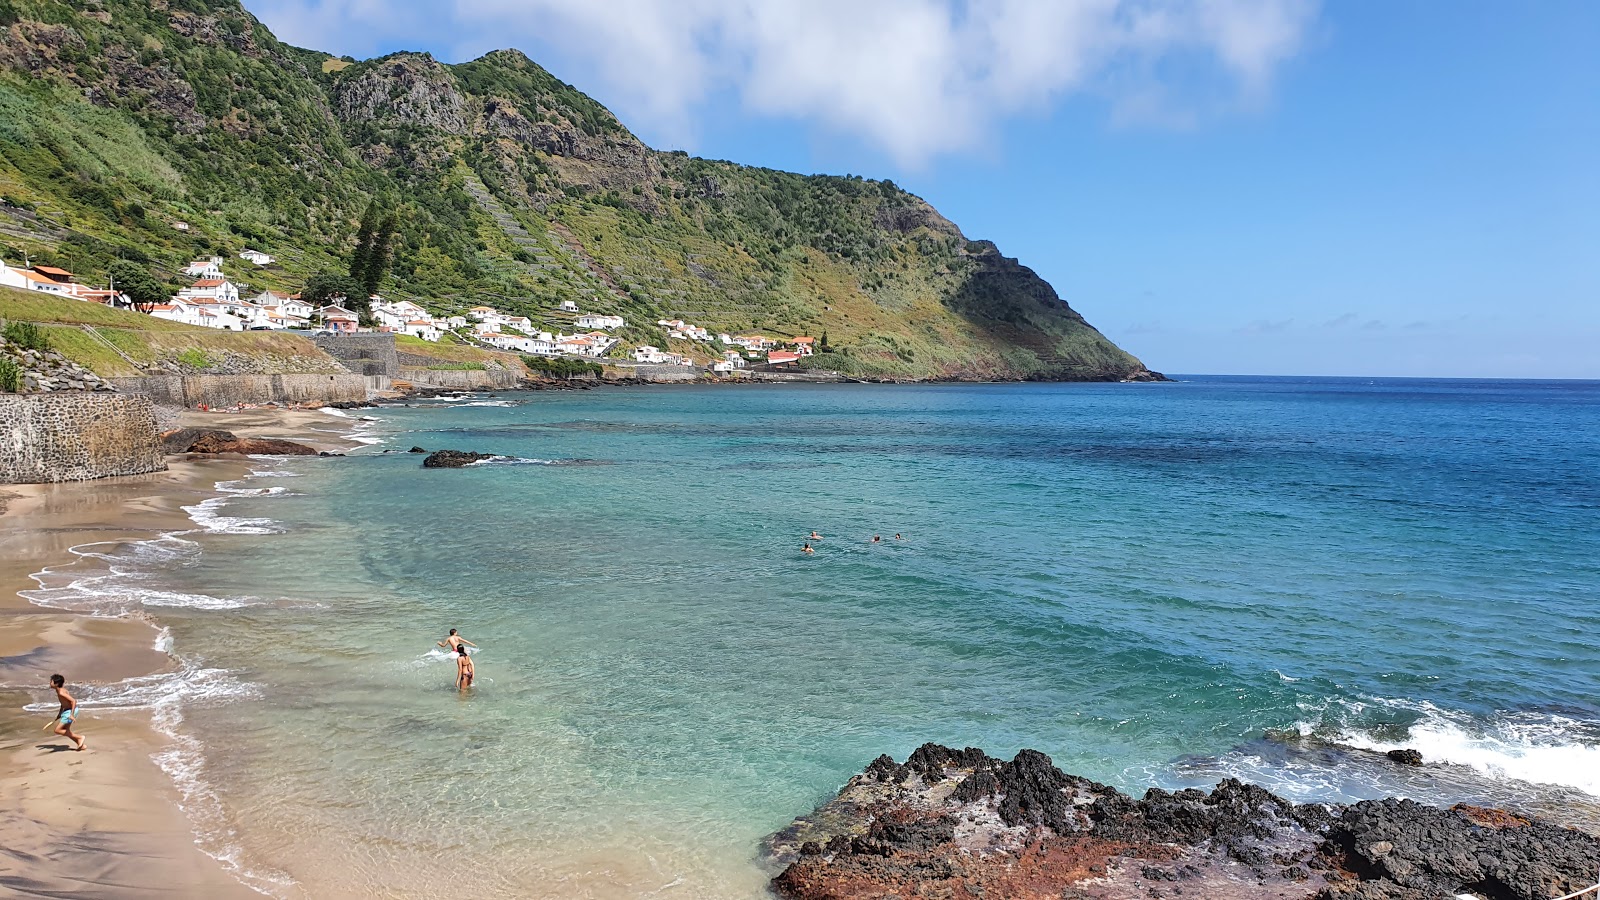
{"x": 363, "y": 354}
{"x": 71, "y": 436}
{"x": 650, "y": 372}
{"x": 463, "y": 379}
{"x": 220, "y": 391}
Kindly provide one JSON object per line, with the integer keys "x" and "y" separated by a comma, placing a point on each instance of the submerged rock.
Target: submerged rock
{"x": 959, "y": 823}
{"x": 453, "y": 459}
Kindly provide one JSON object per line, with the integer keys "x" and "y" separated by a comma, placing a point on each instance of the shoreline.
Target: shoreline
{"x": 109, "y": 819}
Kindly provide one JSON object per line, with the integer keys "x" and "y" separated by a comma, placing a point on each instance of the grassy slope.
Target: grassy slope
{"x": 205, "y": 117}
{"x": 149, "y": 342}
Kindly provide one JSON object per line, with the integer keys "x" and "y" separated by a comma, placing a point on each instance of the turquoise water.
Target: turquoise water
{"x": 1139, "y": 580}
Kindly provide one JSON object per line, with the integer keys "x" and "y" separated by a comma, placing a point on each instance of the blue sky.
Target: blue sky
{"x": 1221, "y": 186}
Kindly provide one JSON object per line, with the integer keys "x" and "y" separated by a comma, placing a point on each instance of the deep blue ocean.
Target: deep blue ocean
{"x": 1154, "y": 584}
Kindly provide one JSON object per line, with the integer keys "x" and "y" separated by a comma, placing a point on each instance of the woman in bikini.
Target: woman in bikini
{"x": 464, "y": 670}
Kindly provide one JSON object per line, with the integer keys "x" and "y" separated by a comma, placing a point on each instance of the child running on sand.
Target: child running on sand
{"x": 464, "y": 670}
{"x": 69, "y": 711}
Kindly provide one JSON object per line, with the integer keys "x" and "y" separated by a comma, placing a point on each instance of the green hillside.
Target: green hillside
{"x": 119, "y": 119}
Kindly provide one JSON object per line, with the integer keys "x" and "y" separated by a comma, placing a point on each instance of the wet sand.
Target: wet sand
{"x": 104, "y": 822}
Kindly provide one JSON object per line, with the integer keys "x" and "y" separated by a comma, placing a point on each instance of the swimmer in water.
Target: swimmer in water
{"x": 815, "y": 536}
{"x": 876, "y": 539}
{"x": 898, "y": 537}
{"x": 807, "y": 549}
{"x": 454, "y": 642}
{"x": 464, "y": 669}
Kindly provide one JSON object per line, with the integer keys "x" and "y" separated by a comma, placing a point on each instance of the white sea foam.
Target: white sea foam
{"x": 206, "y": 516}
{"x": 337, "y": 412}
{"x": 1540, "y": 748}
{"x": 513, "y": 461}
{"x": 116, "y": 587}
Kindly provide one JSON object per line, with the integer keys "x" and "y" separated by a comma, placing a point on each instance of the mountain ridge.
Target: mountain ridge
{"x": 512, "y": 187}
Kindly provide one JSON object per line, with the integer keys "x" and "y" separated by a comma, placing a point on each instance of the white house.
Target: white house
{"x": 520, "y": 323}
{"x": 203, "y": 315}
{"x": 217, "y": 290}
{"x": 569, "y": 306}
{"x": 422, "y": 328}
{"x": 290, "y": 306}
{"x": 724, "y": 367}
{"x": 456, "y": 322}
{"x": 482, "y": 313}
{"x": 649, "y": 354}
{"x": 211, "y": 267}
{"x": 590, "y": 320}
{"x": 255, "y": 256}
{"x": 483, "y": 328}
{"x": 181, "y": 226}
{"x": 678, "y": 329}
{"x": 45, "y": 279}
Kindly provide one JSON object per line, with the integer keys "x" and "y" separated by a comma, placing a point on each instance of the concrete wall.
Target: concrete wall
{"x": 229, "y": 390}
{"x": 463, "y": 379}
{"x": 363, "y": 354}
{"x": 68, "y": 436}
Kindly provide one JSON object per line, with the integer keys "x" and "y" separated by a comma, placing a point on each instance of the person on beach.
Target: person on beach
{"x": 454, "y": 642}
{"x": 807, "y": 549}
{"x": 464, "y": 670}
{"x": 69, "y": 711}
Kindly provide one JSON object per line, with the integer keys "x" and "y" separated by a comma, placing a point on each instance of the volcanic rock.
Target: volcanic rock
{"x": 194, "y": 440}
{"x": 453, "y": 459}
{"x": 1406, "y": 757}
{"x": 959, "y": 823}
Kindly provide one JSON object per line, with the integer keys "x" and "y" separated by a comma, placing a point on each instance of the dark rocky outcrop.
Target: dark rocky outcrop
{"x": 1406, "y": 757}
{"x": 453, "y": 459}
{"x": 959, "y": 823}
{"x": 199, "y": 440}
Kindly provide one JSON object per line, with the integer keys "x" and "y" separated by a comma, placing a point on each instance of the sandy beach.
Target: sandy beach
{"x": 106, "y": 821}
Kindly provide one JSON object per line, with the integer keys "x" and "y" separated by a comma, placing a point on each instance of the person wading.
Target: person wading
{"x": 464, "y": 670}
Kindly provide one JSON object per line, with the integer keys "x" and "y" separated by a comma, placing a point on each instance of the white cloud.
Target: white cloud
{"x": 917, "y": 78}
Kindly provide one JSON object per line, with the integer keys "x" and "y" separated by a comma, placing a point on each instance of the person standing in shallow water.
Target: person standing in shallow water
{"x": 464, "y": 669}
{"x": 69, "y": 711}
{"x": 454, "y": 642}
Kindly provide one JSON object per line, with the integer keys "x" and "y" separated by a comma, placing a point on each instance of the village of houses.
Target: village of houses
{"x": 214, "y": 301}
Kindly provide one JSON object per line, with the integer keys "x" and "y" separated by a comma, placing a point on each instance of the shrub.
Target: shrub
{"x": 10, "y": 375}
{"x": 194, "y": 358}
{"x": 27, "y": 335}
{"x": 562, "y": 368}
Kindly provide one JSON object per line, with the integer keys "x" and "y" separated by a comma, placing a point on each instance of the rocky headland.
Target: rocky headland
{"x": 952, "y": 823}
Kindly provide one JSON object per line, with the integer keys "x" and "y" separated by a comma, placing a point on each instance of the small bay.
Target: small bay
{"x": 1142, "y": 581}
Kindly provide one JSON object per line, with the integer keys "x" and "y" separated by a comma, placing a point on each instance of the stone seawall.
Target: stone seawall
{"x": 363, "y": 354}
{"x": 76, "y": 436}
{"x": 662, "y": 373}
{"x": 463, "y": 379}
{"x": 218, "y": 391}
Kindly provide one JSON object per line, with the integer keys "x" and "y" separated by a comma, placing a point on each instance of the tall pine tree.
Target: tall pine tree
{"x": 377, "y": 261}
{"x": 361, "y": 256}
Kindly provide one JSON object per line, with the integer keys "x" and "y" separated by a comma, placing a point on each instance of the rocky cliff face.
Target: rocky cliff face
{"x": 959, "y": 823}
{"x": 511, "y": 185}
